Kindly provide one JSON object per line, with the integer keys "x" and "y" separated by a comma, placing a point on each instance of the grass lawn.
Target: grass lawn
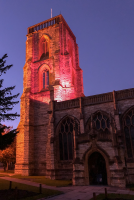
{"x": 113, "y": 196}
{"x": 131, "y": 187}
{"x": 43, "y": 180}
{"x": 9, "y": 171}
{"x": 2, "y": 175}
{"x": 4, "y": 184}
{"x": 5, "y": 173}
{"x": 38, "y": 179}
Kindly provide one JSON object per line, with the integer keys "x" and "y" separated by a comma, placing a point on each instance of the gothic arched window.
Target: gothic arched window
{"x": 101, "y": 122}
{"x": 66, "y": 144}
{"x": 129, "y": 133}
{"x": 44, "y": 48}
{"x": 45, "y": 79}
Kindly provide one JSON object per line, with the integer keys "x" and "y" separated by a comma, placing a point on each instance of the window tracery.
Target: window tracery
{"x": 101, "y": 122}
{"x": 128, "y": 126}
{"x": 98, "y": 125}
{"x": 66, "y": 143}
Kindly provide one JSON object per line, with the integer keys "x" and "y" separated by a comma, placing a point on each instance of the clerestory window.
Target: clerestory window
{"x": 129, "y": 133}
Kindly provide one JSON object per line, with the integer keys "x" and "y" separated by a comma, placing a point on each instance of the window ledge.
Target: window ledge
{"x": 130, "y": 160}
{"x": 50, "y": 88}
{"x": 65, "y": 161}
{"x": 44, "y": 58}
{"x": 44, "y": 89}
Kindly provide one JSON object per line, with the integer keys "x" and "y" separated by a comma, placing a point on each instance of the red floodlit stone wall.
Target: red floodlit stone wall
{"x": 65, "y": 83}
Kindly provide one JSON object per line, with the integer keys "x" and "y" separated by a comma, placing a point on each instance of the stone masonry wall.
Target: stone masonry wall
{"x": 34, "y": 145}
{"x": 113, "y": 152}
{"x": 42, "y": 110}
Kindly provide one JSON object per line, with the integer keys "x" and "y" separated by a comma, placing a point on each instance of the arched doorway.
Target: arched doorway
{"x": 97, "y": 169}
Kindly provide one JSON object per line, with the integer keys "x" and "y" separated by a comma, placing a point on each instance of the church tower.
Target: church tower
{"x": 52, "y": 53}
{"x": 51, "y": 73}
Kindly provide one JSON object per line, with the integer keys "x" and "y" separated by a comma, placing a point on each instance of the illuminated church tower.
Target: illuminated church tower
{"x": 51, "y": 73}
{"x": 52, "y": 56}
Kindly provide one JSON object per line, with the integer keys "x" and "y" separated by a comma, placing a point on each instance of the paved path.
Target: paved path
{"x": 74, "y": 192}
{"x": 86, "y": 192}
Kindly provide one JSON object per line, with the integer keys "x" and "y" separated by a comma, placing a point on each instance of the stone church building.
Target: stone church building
{"x": 62, "y": 133}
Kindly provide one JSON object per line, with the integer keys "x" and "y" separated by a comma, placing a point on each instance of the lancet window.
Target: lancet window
{"x": 129, "y": 133}
{"x": 44, "y": 48}
{"x": 45, "y": 79}
{"x": 66, "y": 142}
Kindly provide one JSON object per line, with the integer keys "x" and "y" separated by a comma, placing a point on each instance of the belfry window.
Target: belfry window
{"x": 45, "y": 79}
{"x": 66, "y": 144}
{"x": 129, "y": 133}
{"x": 44, "y": 49}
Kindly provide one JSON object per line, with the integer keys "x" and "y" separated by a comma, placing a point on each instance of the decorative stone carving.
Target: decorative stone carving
{"x": 93, "y": 134}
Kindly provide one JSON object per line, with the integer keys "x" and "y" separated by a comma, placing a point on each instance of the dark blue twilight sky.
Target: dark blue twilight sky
{"x": 104, "y": 31}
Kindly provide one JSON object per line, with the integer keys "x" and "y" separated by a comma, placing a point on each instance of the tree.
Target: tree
{"x": 6, "y": 104}
{"x": 8, "y": 155}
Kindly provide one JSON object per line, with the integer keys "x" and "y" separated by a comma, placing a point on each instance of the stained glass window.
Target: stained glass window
{"x": 127, "y": 121}
{"x": 128, "y": 142}
{"x": 108, "y": 123}
{"x": 132, "y": 134}
{"x": 103, "y": 125}
{"x": 97, "y": 124}
{"x": 66, "y": 138}
{"x": 70, "y": 146}
{"x": 65, "y": 146}
{"x": 99, "y": 116}
{"x": 101, "y": 121}
{"x": 61, "y": 146}
{"x": 129, "y": 133}
{"x": 45, "y": 79}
